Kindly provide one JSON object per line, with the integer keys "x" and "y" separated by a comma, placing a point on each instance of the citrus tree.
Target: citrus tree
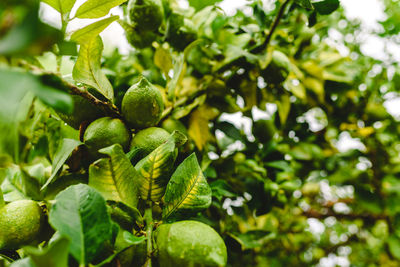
{"x": 216, "y": 141}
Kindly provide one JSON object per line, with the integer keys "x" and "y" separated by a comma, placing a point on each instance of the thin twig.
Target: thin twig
{"x": 274, "y": 25}
{"x": 107, "y": 107}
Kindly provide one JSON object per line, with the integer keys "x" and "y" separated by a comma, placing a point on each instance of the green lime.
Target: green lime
{"x": 140, "y": 38}
{"x": 180, "y": 31}
{"x": 174, "y": 125}
{"x": 145, "y": 14}
{"x": 149, "y": 139}
{"x": 190, "y": 243}
{"x": 278, "y": 69}
{"x": 105, "y": 132}
{"x": 21, "y": 223}
{"x": 142, "y": 105}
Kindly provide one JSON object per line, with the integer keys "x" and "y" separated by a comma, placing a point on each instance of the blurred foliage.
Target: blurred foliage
{"x": 284, "y": 191}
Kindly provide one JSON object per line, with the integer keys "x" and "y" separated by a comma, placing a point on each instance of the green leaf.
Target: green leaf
{"x": 126, "y": 216}
{"x": 187, "y": 191}
{"x": 25, "y": 262}
{"x": 62, "y": 6}
{"x": 115, "y": 177}
{"x": 19, "y": 185}
{"x": 29, "y": 36}
{"x": 88, "y": 67}
{"x": 220, "y": 189}
{"x": 326, "y": 7}
{"x": 62, "y": 154}
{"x": 92, "y": 30}
{"x": 198, "y": 5}
{"x": 93, "y": 9}
{"x": 163, "y": 59}
{"x": 133, "y": 240}
{"x": 15, "y": 84}
{"x": 55, "y": 255}
{"x": 394, "y": 246}
{"x": 80, "y": 213}
{"x": 304, "y": 3}
{"x": 253, "y": 239}
{"x": 154, "y": 169}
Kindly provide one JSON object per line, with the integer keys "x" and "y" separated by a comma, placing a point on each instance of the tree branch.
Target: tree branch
{"x": 108, "y": 108}
{"x": 274, "y": 25}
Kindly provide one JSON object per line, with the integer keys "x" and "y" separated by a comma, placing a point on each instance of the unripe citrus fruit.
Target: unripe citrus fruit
{"x": 142, "y": 105}
{"x": 278, "y": 69}
{"x": 174, "y": 125}
{"x": 105, "y": 132}
{"x": 180, "y": 31}
{"x": 145, "y": 14}
{"x": 21, "y": 223}
{"x": 141, "y": 39}
{"x": 149, "y": 139}
{"x": 190, "y": 243}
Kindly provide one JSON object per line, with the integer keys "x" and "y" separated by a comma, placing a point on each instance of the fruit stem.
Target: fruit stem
{"x": 148, "y": 216}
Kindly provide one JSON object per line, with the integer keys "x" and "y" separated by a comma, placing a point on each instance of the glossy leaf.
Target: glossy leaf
{"x": 326, "y": 7}
{"x": 62, "y": 154}
{"x": 126, "y": 216}
{"x": 87, "y": 68}
{"x": 155, "y": 168}
{"x": 25, "y": 262}
{"x": 115, "y": 177}
{"x": 62, "y": 6}
{"x": 92, "y": 30}
{"x": 304, "y": 3}
{"x": 187, "y": 191}
{"x": 80, "y": 213}
{"x": 198, "y": 5}
{"x": 15, "y": 84}
{"x": 394, "y": 246}
{"x": 55, "y": 255}
{"x": 92, "y": 9}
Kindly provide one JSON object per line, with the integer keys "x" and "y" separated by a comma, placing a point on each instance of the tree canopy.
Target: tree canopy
{"x": 277, "y": 133}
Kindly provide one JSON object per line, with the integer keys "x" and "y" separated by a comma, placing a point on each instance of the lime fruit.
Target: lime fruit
{"x": 174, "y": 125}
{"x": 142, "y": 105}
{"x": 180, "y": 31}
{"x": 145, "y": 14}
{"x": 105, "y": 132}
{"x": 21, "y": 223}
{"x": 190, "y": 243}
{"x": 140, "y": 38}
{"x": 149, "y": 139}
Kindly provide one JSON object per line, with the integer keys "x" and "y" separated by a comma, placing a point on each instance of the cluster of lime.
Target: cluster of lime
{"x": 145, "y": 17}
{"x": 142, "y": 107}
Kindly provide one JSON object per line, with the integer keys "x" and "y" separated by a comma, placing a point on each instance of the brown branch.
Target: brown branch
{"x": 108, "y": 108}
{"x": 274, "y": 26}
